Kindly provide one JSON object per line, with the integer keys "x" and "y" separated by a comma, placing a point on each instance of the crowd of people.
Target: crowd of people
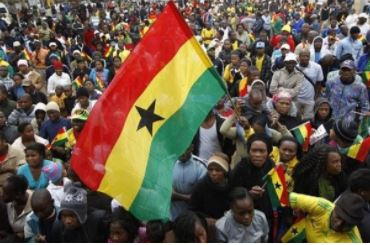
{"x": 284, "y": 63}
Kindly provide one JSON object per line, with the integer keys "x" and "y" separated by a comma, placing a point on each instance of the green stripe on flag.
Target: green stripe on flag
{"x": 170, "y": 141}
{"x": 298, "y": 135}
{"x": 275, "y": 201}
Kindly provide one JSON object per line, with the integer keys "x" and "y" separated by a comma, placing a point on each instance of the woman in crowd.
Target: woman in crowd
{"x": 27, "y": 137}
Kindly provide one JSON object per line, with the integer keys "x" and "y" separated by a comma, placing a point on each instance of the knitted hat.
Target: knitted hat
{"x": 219, "y": 161}
{"x": 75, "y": 200}
{"x": 58, "y": 65}
{"x": 350, "y": 207}
{"x": 40, "y": 106}
{"x": 22, "y": 63}
{"x": 52, "y": 106}
{"x": 54, "y": 171}
{"x": 346, "y": 131}
{"x": 82, "y": 92}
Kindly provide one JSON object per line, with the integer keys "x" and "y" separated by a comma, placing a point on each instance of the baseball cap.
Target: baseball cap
{"x": 348, "y": 64}
{"x": 52, "y": 44}
{"x": 290, "y": 57}
{"x": 16, "y": 44}
{"x": 260, "y": 45}
{"x": 80, "y": 114}
{"x": 285, "y": 46}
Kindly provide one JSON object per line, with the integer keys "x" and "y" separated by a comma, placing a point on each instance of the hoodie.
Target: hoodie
{"x": 323, "y": 51}
{"x": 316, "y": 122}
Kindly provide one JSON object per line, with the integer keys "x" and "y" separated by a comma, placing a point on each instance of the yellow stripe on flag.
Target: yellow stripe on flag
{"x": 184, "y": 68}
{"x": 353, "y": 150}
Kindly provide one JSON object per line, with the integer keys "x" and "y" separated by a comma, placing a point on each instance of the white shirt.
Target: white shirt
{"x": 89, "y": 108}
{"x": 56, "y": 80}
{"x": 19, "y": 145}
{"x": 314, "y": 72}
{"x": 208, "y": 142}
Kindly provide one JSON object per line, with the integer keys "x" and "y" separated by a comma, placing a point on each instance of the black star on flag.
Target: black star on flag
{"x": 148, "y": 117}
{"x": 294, "y": 231}
{"x": 277, "y": 185}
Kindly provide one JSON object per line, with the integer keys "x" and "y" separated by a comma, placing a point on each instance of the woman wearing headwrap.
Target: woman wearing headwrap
{"x": 283, "y": 110}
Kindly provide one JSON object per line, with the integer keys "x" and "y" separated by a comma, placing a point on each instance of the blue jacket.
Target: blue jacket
{"x": 32, "y": 226}
{"x": 362, "y": 62}
{"x": 49, "y": 129}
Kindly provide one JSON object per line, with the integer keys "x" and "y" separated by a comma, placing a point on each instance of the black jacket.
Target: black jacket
{"x": 266, "y": 73}
{"x": 93, "y": 230}
{"x": 246, "y": 175}
{"x": 209, "y": 199}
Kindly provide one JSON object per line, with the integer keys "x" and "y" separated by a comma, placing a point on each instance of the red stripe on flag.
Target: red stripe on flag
{"x": 105, "y": 123}
{"x": 306, "y": 143}
{"x": 284, "y": 199}
{"x": 364, "y": 150}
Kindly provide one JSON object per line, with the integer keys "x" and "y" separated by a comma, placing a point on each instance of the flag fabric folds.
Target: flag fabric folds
{"x": 359, "y": 150}
{"x": 302, "y": 133}
{"x": 60, "y": 139}
{"x": 277, "y": 187}
{"x": 296, "y": 233}
{"x": 147, "y": 117}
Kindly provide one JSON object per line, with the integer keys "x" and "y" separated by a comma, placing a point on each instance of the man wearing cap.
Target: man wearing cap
{"x": 288, "y": 77}
{"x": 345, "y": 93}
{"x": 59, "y": 78}
{"x": 51, "y": 127}
{"x": 37, "y": 96}
{"x": 350, "y": 45}
{"x": 328, "y": 222}
{"x": 30, "y": 74}
{"x": 262, "y": 61}
{"x": 362, "y": 23}
{"x": 79, "y": 118}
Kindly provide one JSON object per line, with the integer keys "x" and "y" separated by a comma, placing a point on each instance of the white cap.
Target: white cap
{"x": 76, "y": 51}
{"x": 40, "y": 106}
{"x": 52, "y": 44}
{"x": 290, "y": 57}
{"x": 96, "y": 32}
{"x": 16, "y": 44}
{"x": 285, "y": 46}
{"x": 363, "y": 15}
{"x": 22, "y": 62}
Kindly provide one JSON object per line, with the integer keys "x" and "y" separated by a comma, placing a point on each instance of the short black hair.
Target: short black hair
{"x": 292, "y": 139}
{"x": 38, "y": 147}
{"x": 18, "y": 183}
{"x": 238, "y": 193}
{"x": 354, "y": 30}
{"x": 259, "y": 137}
{"x": 22, "y": 127}
{"x": 3, "y": 89}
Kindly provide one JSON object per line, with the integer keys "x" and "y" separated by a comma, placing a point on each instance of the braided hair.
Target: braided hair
{"x": 308, "y": 171}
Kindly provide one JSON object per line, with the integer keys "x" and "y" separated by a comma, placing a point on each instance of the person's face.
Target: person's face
{"x": 43, "y": 210}
{"x": 117, "y": 234}
{"x": 227, "y": 45}
{"x": 17, "y": 80}
{"x": 187, "y": 154}
{"x": 58, "y": 91}
{"x": 317, "y": 44}
{"x": 8, "y": 193}
{"x": 260, "y": 51}
{"x": 290, "y": 65}
{"x": 355, "y": 36}
{"x": 304, "y": 59}
{"x": 338, "y": 224}
{"x": 117, "y": 62}
{"x": 3, "y": 71}
{"x": 305, "y": 28}
{"x": 24, "y": 103}
{"x": 287, "y": 150}
{"x": 333, "y": 23}
{"x": 40, "y": 115}
{"x": 211, "y": 53}
{"x": 78, "y": 125}
{"x": 235, "y": 59}
{"x": 59, "y": 72}
{"x": 240, "y": 29}
{"x": 53, "y": 115}
{"x": 69, "y": 220}
{"x": 334, "y": 165}
{"x": 263, "y": 36}
{"x": 200, "y": 233}
{"x": 283, "y": 106}
{"x": 243, "y": 68}
{"x": 258, "y": 153}
{"x": 68, "y": 91}
{"x": 99, "y": 66}
{"x": 256, "y": 101}
{"x": 2, "y": 119}
{"x": 243, "y": 211}
{"x": 323, "y": 111}
{"x": 89, "y": 86}
{"x": 254, "y": 75}
{"x": 362, "y": 21}
{"x": 84, "y": 101}
{"x": 33, "y": 158}
{"x": 346, "y": 74}
{"x": 216, "y": 173}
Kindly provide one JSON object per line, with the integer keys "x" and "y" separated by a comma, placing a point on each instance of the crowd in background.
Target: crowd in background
{"x": 284, "y": 63}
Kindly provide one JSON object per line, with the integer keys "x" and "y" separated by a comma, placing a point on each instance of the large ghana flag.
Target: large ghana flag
{"x": 147, "y": 117}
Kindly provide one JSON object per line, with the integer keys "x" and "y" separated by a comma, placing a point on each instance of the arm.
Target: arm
{"x": 318, "y": 85}
{"x": 274, "y": 85}
{"x": 38, "y": 83}
{"x": 180, "y": 197}
{"x": 51, "y": 86}
{"x": 309, "y": 204}
{"x": 295, "y": 90}
{"x": 227, "y": 128}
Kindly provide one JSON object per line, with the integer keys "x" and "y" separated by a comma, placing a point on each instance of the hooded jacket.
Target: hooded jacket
{"x": 328, "y": 122}
{"x": 323, "y": 51}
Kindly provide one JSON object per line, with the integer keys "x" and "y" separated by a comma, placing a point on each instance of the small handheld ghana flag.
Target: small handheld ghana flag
{"x": 277, "y": 186}
{"x": 302, "y": 133}
{"x": 61, "y": 138}
{"x": 359, "y": 150}
{"x": 147, "y": 117}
